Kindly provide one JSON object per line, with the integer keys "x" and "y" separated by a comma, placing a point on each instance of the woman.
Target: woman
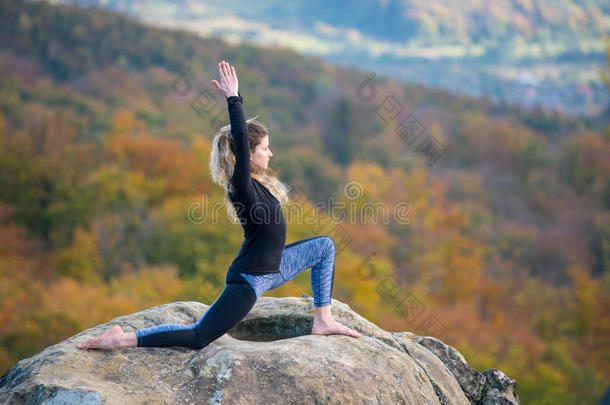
{"x": 239, "y": 162}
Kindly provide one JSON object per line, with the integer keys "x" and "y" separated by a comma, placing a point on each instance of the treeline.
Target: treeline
{"x": 104, "y": 188}
{"x": 432, "y": 22}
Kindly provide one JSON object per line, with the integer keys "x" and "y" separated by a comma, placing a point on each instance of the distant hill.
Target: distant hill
{"x": 534, "y": 52}
{"x": 501, "y": 245}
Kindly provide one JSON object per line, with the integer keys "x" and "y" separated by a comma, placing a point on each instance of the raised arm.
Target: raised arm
{"x": 241, "y": 183}
{"x": 241, "y": 176}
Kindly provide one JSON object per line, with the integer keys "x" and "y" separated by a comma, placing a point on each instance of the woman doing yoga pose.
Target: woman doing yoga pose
{"x": 239, "y": 162}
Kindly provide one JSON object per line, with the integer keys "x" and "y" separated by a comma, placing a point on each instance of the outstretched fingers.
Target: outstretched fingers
{"x": 222, "y": 72}
{"x": 229, "y": 73}
{"x": 228, "y": 78}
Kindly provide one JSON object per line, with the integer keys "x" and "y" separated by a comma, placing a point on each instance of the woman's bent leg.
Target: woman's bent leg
{"x": 236, "y": 300}
{"x": 319, "y": 254}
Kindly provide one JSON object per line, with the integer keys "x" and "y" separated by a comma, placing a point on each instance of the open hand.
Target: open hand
{"x": 228, "y": 79}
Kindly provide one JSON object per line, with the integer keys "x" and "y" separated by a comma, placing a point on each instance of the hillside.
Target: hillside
{"x": 104, "y": 147}
{"x": 531, "y": 52}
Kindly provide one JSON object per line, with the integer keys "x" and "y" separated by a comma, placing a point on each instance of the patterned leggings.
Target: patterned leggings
{"x": 243, "y": 290}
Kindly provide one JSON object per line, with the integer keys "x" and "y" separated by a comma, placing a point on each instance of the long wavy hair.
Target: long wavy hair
{"x": 222, "y": 165}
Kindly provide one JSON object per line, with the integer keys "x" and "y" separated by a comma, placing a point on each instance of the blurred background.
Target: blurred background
{"x": 464, "y": 148}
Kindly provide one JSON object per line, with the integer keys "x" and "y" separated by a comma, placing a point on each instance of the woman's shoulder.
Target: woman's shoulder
{"x": 232, "y": 192}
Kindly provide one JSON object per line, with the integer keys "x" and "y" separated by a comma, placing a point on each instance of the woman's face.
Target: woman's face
{"x": 262, "y": 154}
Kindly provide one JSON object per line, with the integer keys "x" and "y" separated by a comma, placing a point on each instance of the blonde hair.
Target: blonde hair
{"x": 222, "y": 164}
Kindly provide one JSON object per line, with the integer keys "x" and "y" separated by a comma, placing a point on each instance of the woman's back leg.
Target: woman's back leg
{"x": 233, "y": 304}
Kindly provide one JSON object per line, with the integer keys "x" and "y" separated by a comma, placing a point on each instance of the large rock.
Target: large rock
{"x": 270, "y": 357}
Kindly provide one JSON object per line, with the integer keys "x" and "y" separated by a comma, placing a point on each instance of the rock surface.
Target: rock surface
{"x": 270, "y": 357}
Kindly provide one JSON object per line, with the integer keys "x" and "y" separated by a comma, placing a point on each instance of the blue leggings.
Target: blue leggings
{"x": 243, "y": 290}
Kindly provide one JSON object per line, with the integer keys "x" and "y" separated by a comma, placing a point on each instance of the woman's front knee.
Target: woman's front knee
{"x": 330, "y": 245}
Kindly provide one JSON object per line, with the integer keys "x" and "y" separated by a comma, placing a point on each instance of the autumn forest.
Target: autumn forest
{"x": 499, "y": 245}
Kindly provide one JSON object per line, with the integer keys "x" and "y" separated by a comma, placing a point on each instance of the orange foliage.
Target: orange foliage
{"x": 156, "y": 158}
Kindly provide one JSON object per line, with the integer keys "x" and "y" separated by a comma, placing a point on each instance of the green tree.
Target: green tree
{"x": 341, "y": 133}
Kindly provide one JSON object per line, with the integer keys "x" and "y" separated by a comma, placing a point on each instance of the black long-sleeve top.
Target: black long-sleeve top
{"x": 260, "y": 213}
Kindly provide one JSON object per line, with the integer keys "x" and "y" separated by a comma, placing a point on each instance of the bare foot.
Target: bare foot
{"x": 112, "y": 339}
{"x": 332, "y": 327}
